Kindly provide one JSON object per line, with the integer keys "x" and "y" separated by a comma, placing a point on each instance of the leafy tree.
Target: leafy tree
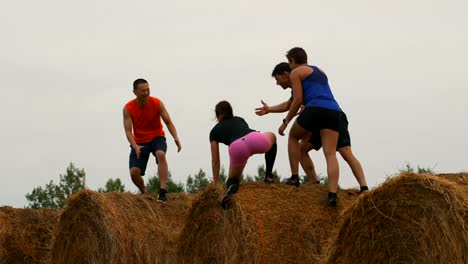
{"x": 113, "y": 186}
{"x": 198, "y": 182}
{"x": 55, "y": 195}
{"x": 153, "y": 184}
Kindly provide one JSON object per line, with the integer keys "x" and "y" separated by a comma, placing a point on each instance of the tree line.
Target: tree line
{"x": 54, "y": 195}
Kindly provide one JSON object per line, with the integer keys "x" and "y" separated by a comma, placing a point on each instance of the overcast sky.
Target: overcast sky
{"x": 397, "y": 68}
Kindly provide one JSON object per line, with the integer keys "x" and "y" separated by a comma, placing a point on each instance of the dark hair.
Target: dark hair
{"x": 137, "y": 82}
{"x": 298, "y": 54}
{"x": 224, "y": 109}
{"x": 281, "y": 68}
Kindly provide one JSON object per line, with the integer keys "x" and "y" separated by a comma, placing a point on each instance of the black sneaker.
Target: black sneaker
{"x": 162, "y": 197}
{"x": 268, "y": 179}
{"x": 364, "y": 189}
{"x": 232, "y": 189}
{"x": 331, "y": 199}
{"x": 293, "y": 181}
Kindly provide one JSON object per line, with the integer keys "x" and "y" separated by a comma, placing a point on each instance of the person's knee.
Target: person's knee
{"x": 135, "y": 171}
{"x": 329, "y": 153}
{"x": 305, "y": 147}
{"x": 271, "y": 136}
{"x": 161, "y": 156}
{"x": 346, "y": 153}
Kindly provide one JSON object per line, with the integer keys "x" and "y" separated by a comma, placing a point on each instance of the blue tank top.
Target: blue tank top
{"x": 317, "y": 92}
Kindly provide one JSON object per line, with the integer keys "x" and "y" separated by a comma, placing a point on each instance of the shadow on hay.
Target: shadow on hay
{"x": 120, "y": 228}
{"x": 412, "y": 218}
{"x": 266, "y": 224}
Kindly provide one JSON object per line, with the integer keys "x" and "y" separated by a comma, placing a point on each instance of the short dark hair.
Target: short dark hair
{"x": 137, "y": 82}
{"x": 224, "y": 109}
{"x": 298, "y": 54}
{"x": 281, "y": 68}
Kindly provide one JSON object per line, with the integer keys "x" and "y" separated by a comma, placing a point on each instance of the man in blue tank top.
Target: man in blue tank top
{"x": 322, "y": 113}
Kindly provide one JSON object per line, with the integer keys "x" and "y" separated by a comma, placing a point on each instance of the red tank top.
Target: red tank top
{"x": 146, "y": 120}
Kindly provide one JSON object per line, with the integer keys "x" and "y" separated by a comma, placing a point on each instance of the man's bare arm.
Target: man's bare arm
{"x": 128, "y": 125}
{"x": 170, "y": 125}
{"x": 279, "y": 108}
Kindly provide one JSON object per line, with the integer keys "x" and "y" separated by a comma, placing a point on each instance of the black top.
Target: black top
{"x": 228, "y": 130}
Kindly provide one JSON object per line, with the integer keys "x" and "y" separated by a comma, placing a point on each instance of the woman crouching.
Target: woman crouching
{"x": 243, "y": 142}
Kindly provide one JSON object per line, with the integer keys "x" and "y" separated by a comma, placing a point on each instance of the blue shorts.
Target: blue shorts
{"x": 158, "y": 143}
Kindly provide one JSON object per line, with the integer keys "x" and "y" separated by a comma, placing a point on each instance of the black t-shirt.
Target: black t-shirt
{"x": 228, "y": 130}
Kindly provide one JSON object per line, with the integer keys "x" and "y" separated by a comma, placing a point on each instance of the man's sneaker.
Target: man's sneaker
{"x": 269, "y": 179}
{"x": 162, "y": 197}
{"x": 331, "y": 202}
{"x": 232, "y": 189}
{"x": 293, "y": 181}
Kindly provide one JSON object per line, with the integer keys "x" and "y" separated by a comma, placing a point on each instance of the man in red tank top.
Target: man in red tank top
{"x": 142, "y": 122}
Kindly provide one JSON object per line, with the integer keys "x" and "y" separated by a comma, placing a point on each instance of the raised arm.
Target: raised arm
{"x": 215, "y": 160}
{"x": 170, "y": 126}
{"x": 279, "y": 108}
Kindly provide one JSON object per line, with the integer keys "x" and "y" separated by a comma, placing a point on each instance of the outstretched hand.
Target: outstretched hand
{"x": 265, "y": 109}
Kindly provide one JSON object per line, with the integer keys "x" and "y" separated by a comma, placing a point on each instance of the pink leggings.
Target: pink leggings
{"x": 253, "y": 143}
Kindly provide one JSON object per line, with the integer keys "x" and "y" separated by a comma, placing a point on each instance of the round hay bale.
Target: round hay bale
{"x": 412, "y": 218}
{"x": 273, "y": 223}
{"x": 119, "y": 228}
{"x": 26, "y": 235}
{"x": 459, "y": 178}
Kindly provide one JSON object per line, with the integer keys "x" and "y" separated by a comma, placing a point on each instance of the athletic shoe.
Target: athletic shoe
{"x": 162, "y": 197}
{"x": 331, "y": 199}
{"x": 293, "y": 181}
{"x": 364, "y": 189}
{"x": 269, "y": 179}
{"x": 232, "y": 189}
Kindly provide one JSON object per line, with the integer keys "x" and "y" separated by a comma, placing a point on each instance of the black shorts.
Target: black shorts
{"x": 317, "y": 118}
{"x": 158, "y": 143}
{"x": 344, "y": 139}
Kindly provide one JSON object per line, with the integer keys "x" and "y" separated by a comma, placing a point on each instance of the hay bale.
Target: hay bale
{"x": 459, "y": 178}
{"x": 266, "y": 224}
{"x": 119, "y": 228}
{"x": 412, "y": 218}
{"x": 26, "y": 235}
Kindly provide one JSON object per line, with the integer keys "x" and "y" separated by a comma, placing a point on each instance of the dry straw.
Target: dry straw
{"x": 26, "y": 235}
{"x": 266, "y": 224}
{"x": 120, "y": 228}
{"x": 412, "y": 218}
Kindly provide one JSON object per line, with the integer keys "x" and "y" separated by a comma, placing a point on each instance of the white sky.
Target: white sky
{"x": 397, "y": 68}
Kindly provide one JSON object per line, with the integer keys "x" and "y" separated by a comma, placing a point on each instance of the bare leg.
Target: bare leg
{"x": 162, "y": 168}
{"x": 306, "y": 161}
{"x": 234, "y": 176}
{"x": 137, "y": 179}
{"x": 235, "y": 172}
{"x": 354, "y": 164}
{"x": 272, "y": 137}
{"x": 329, "y": 141}
{"x": 294, "y": 149}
